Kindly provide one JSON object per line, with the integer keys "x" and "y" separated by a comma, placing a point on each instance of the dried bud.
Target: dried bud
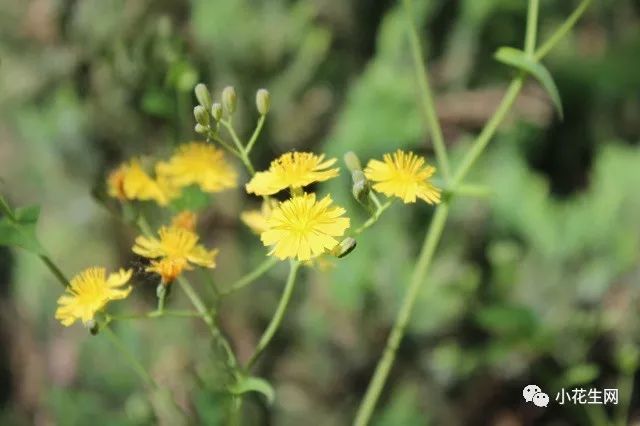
{"x": 216, "y": 111}
{"x": 263, "y": 101}
{"x": 345, "y": 247}
{"x": 203, "y": 96}
{"x": 352, "y": 161}
{"x": 229, "y": 99}
{"x": 201, "y": 129}
{"x": 93, "y": 327}
{"x": 201, "y": 115}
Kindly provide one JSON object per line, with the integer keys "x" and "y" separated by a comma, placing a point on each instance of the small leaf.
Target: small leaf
{"x": 192, "y": 198}
{"x": 581, "y": 374}
{"x": 518, "y": 59}
{"x": 254, "y": 384}
{"x": 19, "y": 228}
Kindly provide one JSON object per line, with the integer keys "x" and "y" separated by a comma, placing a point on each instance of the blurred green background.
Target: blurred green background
{"x": 537, "y": 284}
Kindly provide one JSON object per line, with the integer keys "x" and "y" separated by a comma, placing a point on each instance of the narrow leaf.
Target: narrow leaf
{"x": 518, "y": 59}
{"x": 19, "y": 229}
{"x": 254, "y": 384}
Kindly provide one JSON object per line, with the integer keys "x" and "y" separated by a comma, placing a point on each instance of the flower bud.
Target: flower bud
{"x": 361, "y": 187}
{"x": 201, "y": 129}
{"x": 203, "y": 96}
{"x": 345, "y": 247}
{"x": 216, "y": 111}
{"x": 263, "y": 101}
{"x": 201, "y": 115}
{"x": 352, "y": 161}
{"x": 229, "y": 99}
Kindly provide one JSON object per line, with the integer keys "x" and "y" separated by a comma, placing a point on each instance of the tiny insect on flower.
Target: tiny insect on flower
{"x": 404, "y": 175}
{"x": 303, "y": 228}
{"x": 89, "y": 292}
{"x": 176, "y": 250}
{"x": 199, "y": 163}
{"x": 292, "y": 170}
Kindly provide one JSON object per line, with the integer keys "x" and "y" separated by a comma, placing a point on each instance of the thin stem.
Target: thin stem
{"x": 234, "y": 136}
{"x": 54, "y": 269}
{"x": 374, "y": 218}
{"x": 225, "y": 144}
{"x": 393, "y": 342}
{"x": 489, "y": 130}
{"x": 427, "y": 97}
{"x": 143, "y": 225}
{"x": 532, "y": 27}
{"x": 135, "y": 364}
{"x": 256, "y": 133}
{"x": 566, "y": 26}
{"x": 277, "y": 316}
{"x": 197, "y": 302}
{"x": 251, "y": 276}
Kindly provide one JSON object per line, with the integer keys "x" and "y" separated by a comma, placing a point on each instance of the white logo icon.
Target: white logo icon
{"x": 533, "y": 393}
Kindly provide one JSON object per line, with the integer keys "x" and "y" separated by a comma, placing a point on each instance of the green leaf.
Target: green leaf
{"x": 518, "y": 59}
{"x": 254, "y": 384}
{"x": 192, "y": 198}
{"x": 580, "y": 375}
{"x": 18, "y": 228}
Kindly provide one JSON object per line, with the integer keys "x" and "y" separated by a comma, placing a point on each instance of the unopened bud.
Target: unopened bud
{"x": 345, "y": 247}
{"x": 361, "y": 187}
{"x": 352, "y": 161}
{"x": 201, "y": 129}
{"x": 229, "y": 99}
{"x": 203, "y": 96}
{"x": 216, "y": 111}
{"x": 201, "y": 115}
{"x": 263, "y": 101}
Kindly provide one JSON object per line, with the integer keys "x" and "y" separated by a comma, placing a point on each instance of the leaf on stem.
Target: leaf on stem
{"x": 254, "y": 384}
{"x": 18, "y": 227}
{"x": 520, "y": 60}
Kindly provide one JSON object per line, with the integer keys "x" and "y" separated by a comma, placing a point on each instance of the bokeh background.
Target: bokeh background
{"x": 537, "y": 284}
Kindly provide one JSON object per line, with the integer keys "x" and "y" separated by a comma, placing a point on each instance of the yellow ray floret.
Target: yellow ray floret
{"x": 256, "y": 220}
{"x": 292, "y": 170}
{"x": 201, "y": 164}
{"x": 130, "y": 182}
{"x": 176, "y": 250}
{"x": 404, "y": 175}
{"x": 302, "y": 228}
{"x": 89, "y": 292}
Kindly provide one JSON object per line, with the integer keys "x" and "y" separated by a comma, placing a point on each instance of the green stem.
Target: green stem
{"x": 427, "y": 97}
{"x": 224, "y": 143}
{"x": 277, "y": 316}
{"x": 374, "y": 218}
{"x": 54, "y": 269}
{"x": 234, "y": 135}
{"x": 135, "y": 364}
{"x": 197, "y": 302}
{"x": 251, "y": 276}
{"x": 417, "y": 278}
{"x": 256, "y": 133}
{"x": 489, "y": 130}
{"x": 532, "y": 27}
{"x": 143, "y": 225}
{"x": 562, "y": 30}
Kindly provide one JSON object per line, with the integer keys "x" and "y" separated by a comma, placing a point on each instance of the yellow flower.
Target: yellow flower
{"x": 292, "y": 170}
{"x": 404, "y": 175}
{"x": 199, "y": 163}
{"x": 89, "y": 292}
{"x": 303, "y": 228}
{"x": 130, "y": 182}
{"x": 175, "y": 251}
{"x": 185, "y": 219}
{"x": 256, "y": 220}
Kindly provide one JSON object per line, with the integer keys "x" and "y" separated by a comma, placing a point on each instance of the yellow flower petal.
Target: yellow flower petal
{"x": 292, "y": 170}
{"x": 89, "y": 292}
{"x": 130, "y": 182}
{"x": 199, "y": 163}
{"x": 302, "y": 228}
{"x": 175, "y": 251}
{"x": 404, "y": 175}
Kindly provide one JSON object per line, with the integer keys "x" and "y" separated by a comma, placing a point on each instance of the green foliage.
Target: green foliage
{"x": 18, "y": 227}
